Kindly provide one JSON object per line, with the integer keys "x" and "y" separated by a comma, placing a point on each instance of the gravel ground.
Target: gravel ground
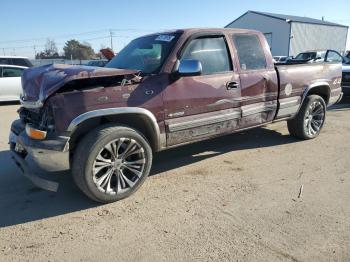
{"x": 234, "y": 198}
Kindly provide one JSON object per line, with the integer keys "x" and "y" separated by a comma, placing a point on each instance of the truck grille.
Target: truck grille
{"x": 30, "y": 116}
{"x": 40, "y": 118}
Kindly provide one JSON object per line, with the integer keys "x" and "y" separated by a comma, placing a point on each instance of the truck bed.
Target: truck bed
{"x": 296, "y": 79}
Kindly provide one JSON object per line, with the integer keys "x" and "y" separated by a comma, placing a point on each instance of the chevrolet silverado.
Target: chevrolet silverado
{"x": 162, "y": 90}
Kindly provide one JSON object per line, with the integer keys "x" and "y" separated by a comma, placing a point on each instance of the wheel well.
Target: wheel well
{"x": 136, "y": 121}
{"x": 322, "y": 91}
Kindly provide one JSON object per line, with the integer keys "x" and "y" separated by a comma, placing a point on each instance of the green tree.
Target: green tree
{"x": 73, "y": 49}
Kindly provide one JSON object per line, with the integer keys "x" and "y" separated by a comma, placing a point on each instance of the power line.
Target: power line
{"x": 74, "y": 35}
{"x": 63, "y": 43}
{"x": 112, "y": 34}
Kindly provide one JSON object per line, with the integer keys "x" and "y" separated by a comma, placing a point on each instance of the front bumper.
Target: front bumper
{"x": 51, "y": 154}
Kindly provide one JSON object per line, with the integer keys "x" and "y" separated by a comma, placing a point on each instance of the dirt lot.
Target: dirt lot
{"x": 230, "y": 199}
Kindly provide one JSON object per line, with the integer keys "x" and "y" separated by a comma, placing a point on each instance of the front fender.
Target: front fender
{"x": 148, "y": 115}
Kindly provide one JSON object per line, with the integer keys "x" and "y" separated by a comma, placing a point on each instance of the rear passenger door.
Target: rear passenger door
{"x": 200, "y": 106}
{"x": 259, "y": 83}
{"x": 10, "y": 83}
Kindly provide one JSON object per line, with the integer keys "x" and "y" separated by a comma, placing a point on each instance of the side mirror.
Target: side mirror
{"x": 188, "y": 68}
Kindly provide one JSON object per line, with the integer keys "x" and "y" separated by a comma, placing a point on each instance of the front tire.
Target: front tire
{"x": 111, "y": 163}
{"x": 309, "y": 121}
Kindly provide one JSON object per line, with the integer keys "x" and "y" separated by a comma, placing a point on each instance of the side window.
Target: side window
{"x": 0, "y": 72}
{"x": 12, "y": 72}
{"x": 211, "y": 52}
{"x": 250, "y": 52}
{"x": 20, "y": 62}
{"x": 4, "y": 61}
{"x": 333, "y": 56}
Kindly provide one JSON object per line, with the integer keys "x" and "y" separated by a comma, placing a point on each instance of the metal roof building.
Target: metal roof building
{"x": 289, "y": 35}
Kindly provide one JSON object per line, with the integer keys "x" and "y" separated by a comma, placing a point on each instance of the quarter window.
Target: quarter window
{"x": 250, "y": 52}
{"x": 211, "y": 52}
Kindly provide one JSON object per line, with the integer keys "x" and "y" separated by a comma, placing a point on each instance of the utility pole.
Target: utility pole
{"x": 111, "y": 35}
{"x": 34, "y": 51}
{"x": 3, "y": 50}
{"x": 14, "y": 51}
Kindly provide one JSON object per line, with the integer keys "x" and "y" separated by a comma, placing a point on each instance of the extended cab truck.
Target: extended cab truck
{"x": 162, "y": 90}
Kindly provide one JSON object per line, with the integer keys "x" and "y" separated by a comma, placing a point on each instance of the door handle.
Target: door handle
{"x": 232, "y": 85}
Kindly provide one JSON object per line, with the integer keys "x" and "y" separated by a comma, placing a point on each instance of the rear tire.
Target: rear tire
{"x": 309, "y": 121}
{"x": 111, "y": 163}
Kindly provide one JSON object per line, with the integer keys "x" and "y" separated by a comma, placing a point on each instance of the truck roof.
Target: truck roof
{"x": 204, "y": 30}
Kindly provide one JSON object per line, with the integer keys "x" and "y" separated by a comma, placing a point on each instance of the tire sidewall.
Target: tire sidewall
{"x": 95, "y": 150}
{"x": 311, "y": 99}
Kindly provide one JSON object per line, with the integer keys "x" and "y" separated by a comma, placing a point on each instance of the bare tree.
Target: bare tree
{"x": 50, "y": 50}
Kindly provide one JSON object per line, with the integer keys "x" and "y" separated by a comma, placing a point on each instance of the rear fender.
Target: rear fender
{"x": 322, "y": 89}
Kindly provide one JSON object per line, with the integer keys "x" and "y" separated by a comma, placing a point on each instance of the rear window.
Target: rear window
{"x": 5, "y": 61}
{"x": 16, "y": 61}
{"x": 21, "y": 62}
{"x": 250, "y": 52}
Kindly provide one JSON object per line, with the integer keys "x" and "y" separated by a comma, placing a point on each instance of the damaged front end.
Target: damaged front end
{"x": 39, "y": 133}
{"x": 41, "y": 82}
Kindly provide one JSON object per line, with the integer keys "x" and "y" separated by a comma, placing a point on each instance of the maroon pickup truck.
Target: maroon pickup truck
{"x": 161, "y": 91}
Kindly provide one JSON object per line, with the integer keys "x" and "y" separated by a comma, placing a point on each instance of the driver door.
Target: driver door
{"x": 197, "y": 107}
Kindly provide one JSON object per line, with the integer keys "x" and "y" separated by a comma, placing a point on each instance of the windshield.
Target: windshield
{"x": 146, "y": 54}
{"x": 283, "y": 59}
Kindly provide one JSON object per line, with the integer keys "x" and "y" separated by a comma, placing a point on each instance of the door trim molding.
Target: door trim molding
{"x": 221, "y": 116}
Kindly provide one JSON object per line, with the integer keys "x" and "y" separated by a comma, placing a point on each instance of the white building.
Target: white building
{"x": 291, "y": 35}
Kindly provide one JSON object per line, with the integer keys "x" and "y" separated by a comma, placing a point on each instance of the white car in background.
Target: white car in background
{"x": 10, "y": 82}
{"x": 15, "y": 60}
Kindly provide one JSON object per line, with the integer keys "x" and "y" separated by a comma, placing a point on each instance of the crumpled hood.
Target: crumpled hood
{"x": 38, "y": 83}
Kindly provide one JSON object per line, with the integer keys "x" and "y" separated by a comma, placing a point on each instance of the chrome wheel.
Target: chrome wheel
{"x": 314, "y": 118}
{"x": 119, "y": 166}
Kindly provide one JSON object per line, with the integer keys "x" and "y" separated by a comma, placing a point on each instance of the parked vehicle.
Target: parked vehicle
{"x": 98, "y": 63}
{"x": 317, "y": 56}
{"x": 161, "y": 91}
{"x": 346, "y": 61}
{"x": 10, "y": 82}
{"x": 346, "y": 80}
{"x": 347, "y": 54}
{"x": 15, "y": 60}
{"x": 108, "y": 53}
{"x": 282, "y": 59}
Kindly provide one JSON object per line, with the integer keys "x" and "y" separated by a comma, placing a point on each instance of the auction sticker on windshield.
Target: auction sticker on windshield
{"x": 165, "y": 38}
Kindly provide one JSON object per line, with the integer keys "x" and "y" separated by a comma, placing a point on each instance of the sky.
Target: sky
{"x": 28, "y": 23}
